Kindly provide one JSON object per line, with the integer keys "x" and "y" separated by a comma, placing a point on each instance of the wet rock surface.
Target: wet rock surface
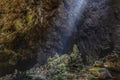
{"x": 17, "y": 37}
{"x": 93, "y": 31}
{"x": 70, "y": 67}
{"x": 33, "y": 30}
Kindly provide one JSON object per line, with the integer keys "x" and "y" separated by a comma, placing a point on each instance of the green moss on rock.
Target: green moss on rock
{"x": 17, "y": 19}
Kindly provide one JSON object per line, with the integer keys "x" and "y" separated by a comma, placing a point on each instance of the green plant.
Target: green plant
{"x": 38, "y": 78}
{"x": 59, "y": 78}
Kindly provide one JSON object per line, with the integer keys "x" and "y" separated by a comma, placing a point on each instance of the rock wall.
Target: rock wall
{"x": 116, "y": 26}
{"x": 95, "y": 30}
{"x": 33, "y": 30}
{"x": 18, "y": 28}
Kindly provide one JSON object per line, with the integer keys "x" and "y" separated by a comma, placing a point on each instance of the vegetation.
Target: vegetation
{"x": 69, "y": 67}
{"x": 26, "y": 25}
{"x": 17, "y": 19}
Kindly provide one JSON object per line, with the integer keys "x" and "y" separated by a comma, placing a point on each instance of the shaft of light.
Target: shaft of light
{"x": 76, "y": 10}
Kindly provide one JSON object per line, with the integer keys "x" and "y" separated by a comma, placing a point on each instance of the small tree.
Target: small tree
{"x": 76, "y": 60}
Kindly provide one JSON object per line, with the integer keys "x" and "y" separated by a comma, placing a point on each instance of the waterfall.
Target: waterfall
{"x": 75, "y": 11}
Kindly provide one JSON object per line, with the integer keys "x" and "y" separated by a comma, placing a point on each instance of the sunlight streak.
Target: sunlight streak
{"x": 76, "y": 10}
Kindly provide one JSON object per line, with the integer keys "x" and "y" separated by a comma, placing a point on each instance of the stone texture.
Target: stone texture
{"x": 46, "y": 29}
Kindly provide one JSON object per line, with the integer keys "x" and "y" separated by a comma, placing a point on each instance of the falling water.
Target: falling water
{"x": 69, "y": 14}
{"x": 75, "y": 12}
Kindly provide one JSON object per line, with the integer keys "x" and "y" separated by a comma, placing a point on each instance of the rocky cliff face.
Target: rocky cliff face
{"x": 17, "y": 34}
{"x": 116, "y": 27}
{"x": 93, "y": 30}
{"x": 33, "y": 30}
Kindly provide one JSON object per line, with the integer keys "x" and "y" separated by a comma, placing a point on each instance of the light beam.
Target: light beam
{"x": 76, "y": 10}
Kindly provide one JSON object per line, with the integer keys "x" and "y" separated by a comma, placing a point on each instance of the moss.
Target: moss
{"x": 29, "y": 18}
{"x": 60, "y": 70}
{"x": 18, "y": 25}
{"x": 95, "y": 69}
{"x": 58, "y": 78}
{"x": 16, "y": 20}
{"x": 13, "y": 14}
{"x": 91, "y": 77}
